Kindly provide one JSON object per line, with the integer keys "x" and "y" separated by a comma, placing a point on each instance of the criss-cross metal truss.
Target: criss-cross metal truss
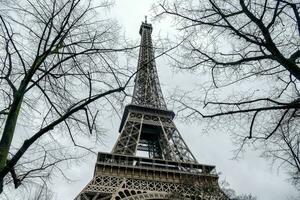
{"x": 152, "y": 131}
{"x": 147, "y": 91}
{"x": 169, "y": 171}
{"x": 120, "y": 177}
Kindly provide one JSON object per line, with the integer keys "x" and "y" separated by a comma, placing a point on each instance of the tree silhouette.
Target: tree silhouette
{"x": 250, "y": 49}
{"x": 58, "y": 60}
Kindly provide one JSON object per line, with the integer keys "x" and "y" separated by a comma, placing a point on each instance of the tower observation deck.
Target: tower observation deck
{"x": 169, "y": 170}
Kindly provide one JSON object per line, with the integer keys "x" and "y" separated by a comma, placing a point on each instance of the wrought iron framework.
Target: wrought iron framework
{"x": 170, "y": 171}
{"x": 147, "y": 91}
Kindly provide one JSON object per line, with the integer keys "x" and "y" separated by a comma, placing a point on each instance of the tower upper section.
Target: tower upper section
{"x": 147, "y": 91}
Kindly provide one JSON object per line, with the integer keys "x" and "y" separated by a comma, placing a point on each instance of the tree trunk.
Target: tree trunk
{"x": 9, "y": 130}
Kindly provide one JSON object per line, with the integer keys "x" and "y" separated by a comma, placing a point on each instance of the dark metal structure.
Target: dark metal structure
{"x": 169, "y": 171}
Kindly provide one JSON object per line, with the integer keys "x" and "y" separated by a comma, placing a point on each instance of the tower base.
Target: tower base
{"x": 121, "y": 177}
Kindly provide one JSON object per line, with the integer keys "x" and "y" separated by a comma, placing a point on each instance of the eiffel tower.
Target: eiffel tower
{"x": 170, "y": 170}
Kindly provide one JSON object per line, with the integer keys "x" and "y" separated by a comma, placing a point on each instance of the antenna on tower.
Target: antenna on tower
{"x": 146, "y": 19}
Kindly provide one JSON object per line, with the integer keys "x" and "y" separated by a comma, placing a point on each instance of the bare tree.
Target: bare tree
{"x": 41, "y": 193}
{"x": 32, "y": 191}
{"x": 231, "y": 194}
{"x": 38, "y": 192}
{"x": 250, "y": 48}
{"x": 284, "y": 148}
{"x": 58, "y": 60}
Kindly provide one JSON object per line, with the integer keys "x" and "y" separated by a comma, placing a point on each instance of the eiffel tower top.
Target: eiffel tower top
{"x": 147, "y": 91}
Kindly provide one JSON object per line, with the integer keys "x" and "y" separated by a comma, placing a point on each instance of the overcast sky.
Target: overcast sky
{"x": 251, "y": 174}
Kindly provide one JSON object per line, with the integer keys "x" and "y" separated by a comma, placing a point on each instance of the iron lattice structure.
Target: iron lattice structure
{"x": 170, "y": 171}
